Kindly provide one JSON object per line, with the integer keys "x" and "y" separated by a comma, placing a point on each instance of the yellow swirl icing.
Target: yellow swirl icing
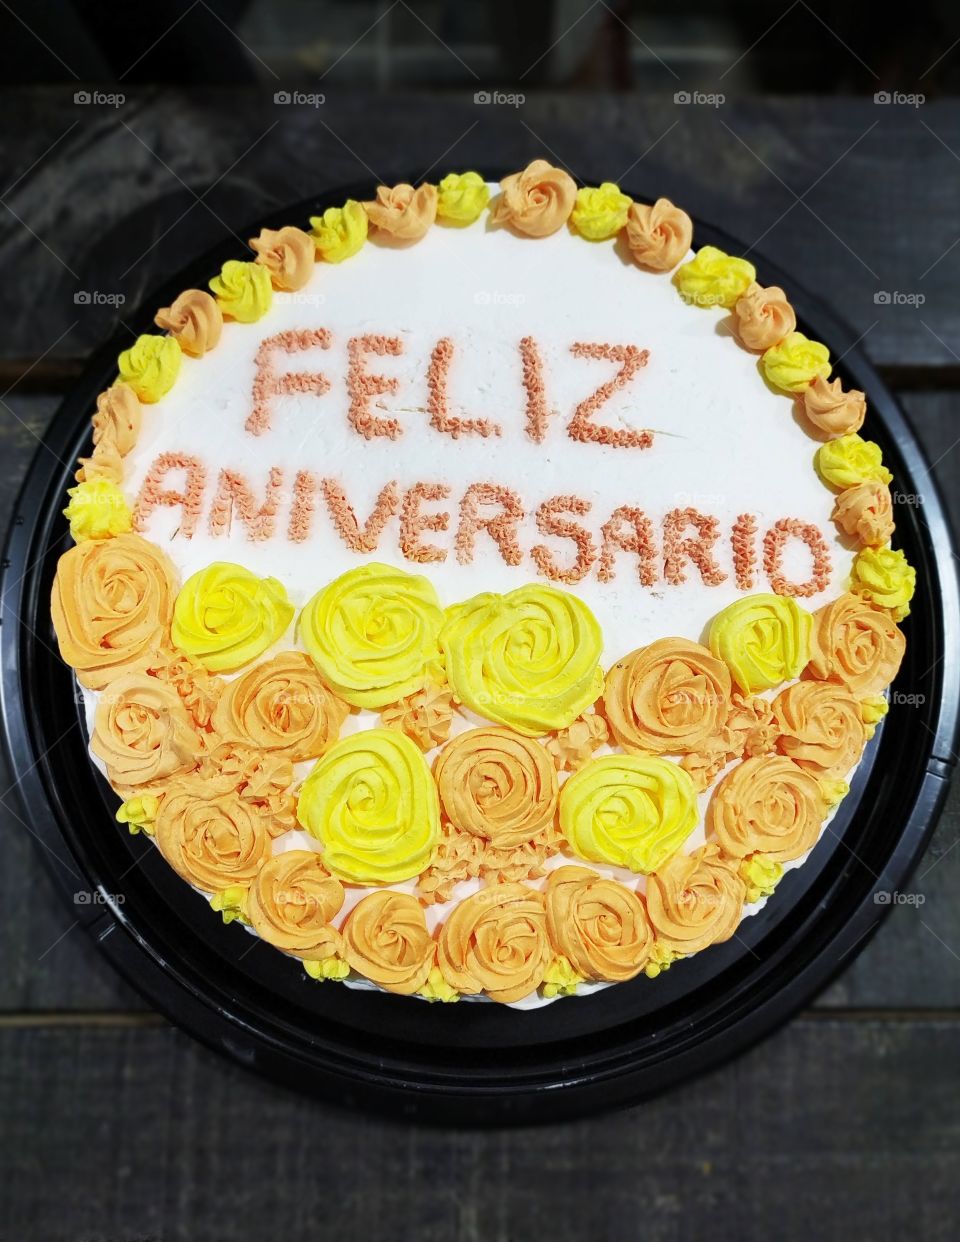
{"x": 795, "y": 362}
{"x": 97, "y": 510}
{"x": 762, "y": 639}
{"x": 150, "y": 366}
{"x": 529, "y": 660}
{"x": 340, "y": 231}
{"x": 373, "y": 633}
{"x": 372, "y": 804}
{"x": 600, "y": 211}
{"x": 139, "y": 813}
{"x": 850, "y": 460}
{"x": 243, "y": 290}
{"x": 225, "y": 616}
{"x": 713, "y": 278}
{"x": 886, "y": 578}
{"x": 629, "y": 810}
{"x": 761, "y": 876}
{"x": 461, "y": 197}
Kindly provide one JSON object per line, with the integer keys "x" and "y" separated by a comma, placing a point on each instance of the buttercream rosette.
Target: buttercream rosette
{"x": 496, "y": 942}
{"x": 288, "y": 254}
{"x": 820, "y": 727}
{"x": 386, "y": 940}
{"x": 141, "y": 731}
{"x": 763, "y": 317}
{"x": 194, "y": 320}
{"x": 658, "y": 236}
{"x": 225, "y": 616}
{"x": 403, "y": 212}
{"x": 292, "y": 903}
{"x": 763, "y": 639}
{"x": 767, "y": 805}
{"x": 857, "y": 645}
{"x": 599, "y": 926}
{"x": 537, "y": 201}
{"x": 695, "y": 900}
{"x": 212, "y": 843}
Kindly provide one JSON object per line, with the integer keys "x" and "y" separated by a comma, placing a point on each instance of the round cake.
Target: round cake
{"x": 482, "y": 594}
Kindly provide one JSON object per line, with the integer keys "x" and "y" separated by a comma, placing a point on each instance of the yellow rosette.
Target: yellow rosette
{"x": 225, "y": 616}
{"x": 372, "y": 804}
{"x": 243, "y": 290}
{"x": 150, "y": 366}
{"x": 763, "y": 640}
{"x": 629, "y": 810}
{"x": 600, "y": 211}
{"x": 529, "y": 660}
{"x": 97, "y": 510}
{"x": 373, "y": 634}
{"x": 713, "y": 278}
{"x": 461, "y": 197}
{"x": 886, "y": 578}
{"x": 340, "y": 231}
{"x": 850, "y": 460}
{"x": 795, "y": 362}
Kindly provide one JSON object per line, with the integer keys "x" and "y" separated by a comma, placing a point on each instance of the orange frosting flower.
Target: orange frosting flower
{"x": 658, "y": 237}
{"x": 212, "y": 843}
{"x": 194, "y": 319}
{"x": 281, "y": 706}
{"x": 424, "y": 716}
{"x": 116, "y": 423}
{"x": 537, "y": 201}
{"x": 142, "y": 732}
{"x": 385, "y": 939}
{"x": 288, "y": 254}
{"x": 496, "y": 942}
{"x": 262, "y": 778}
{"x": 402, "y": 211}
{"x": 865, "y": 512}
{"x": 291, "y": 903}
{"x": 763, "y": 317}
{"x": 833, "y": 411}
{"x": 670, "y": 697}
{"x": 695, "y": 900}
{"x": 855, "y": 644}
{"x": 769, "y": 805}
{"x": 820, "y": 727}
{"x": 600, "y": 926}
{"x": 112, "y": 604}
{"x": 498, "y": 785}
{"x": 572, "y": 747}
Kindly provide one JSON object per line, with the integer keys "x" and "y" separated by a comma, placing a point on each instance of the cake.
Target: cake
{"x": 482, "y": 594}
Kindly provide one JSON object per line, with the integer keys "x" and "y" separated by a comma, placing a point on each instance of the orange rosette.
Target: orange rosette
{"x": 291, "y": 903}
{"x": 194, "y": 319}
{"x": 695, "y": 900}
{"x": 281, "y": 706}
{"x": 403, "y": 212}
{"x": 116, "y": 423}
{"x": 658, "y": 237}
{"x": 768, "y": 805}
{"x": 496, "y": 942}
{"x": 497, "y": 785}
{"x": 288, "y": 254}
{"x": 112, "y": 604}
{"x": 537, "y": 201}
{"x": 865, "y": 512}
{"x": 600, "y": 926}
{"x": 142, "y": 732}
{"x": 831, "y": 410}
{"x": 820, "y": 727}
{"x": 386, "y": 940}
{"x": 857, "y": 645}
{"x": 670, "y": 697}
{"x": 212, "y": 843}
{"x": 763, "y": 317}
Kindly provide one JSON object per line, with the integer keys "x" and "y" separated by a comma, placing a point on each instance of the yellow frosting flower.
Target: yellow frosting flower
{"x": 629, "y": 810}
{"x": 833, "y": 790}
{"x": 329, "y": 968}
{"x": 600, "y": 211}
{"x": 97, "y": 510}
{"x": 795, "y": 362}
{"x": 372, "y": 804}
{"x": 850, "y": 460}
{"x": 243, "y": 290}
{"x": 436, "y": 988}
{"x": 661, "y": 959}
{"x": 461, "y": 197}
{"x": 560, "y": 979}
{"x": 872, "y": 710}
{"x": 139, "y": 814}
{"x": 763, "y": 640}
{"x": 529, "y": 660}
{"x": 150, "y": 366}
{"x": 373, "y": 634}
{"x": 231, "y": 903}
{"x": 713, "y": 278}
{"x": 340, "y": 231}
{"x": 761, "y": 876}
{"x": 885, "y": 577}
{"x": 225, "y": 616}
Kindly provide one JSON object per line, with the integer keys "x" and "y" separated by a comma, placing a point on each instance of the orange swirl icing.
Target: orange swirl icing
{"x": 857, "y": 645}
{"x": 142, "y": 732}
{"x": 600, "y": 926}
{"x": 498, "y": 785}
{"x": 833, "y": 411}
{"x": 496, "y": 942}
{"x": 670, "y": 697}
{"x": 658, "y": 237}
{"x": 820, "y": 727}
{"x": 572, "y": 747}
{"x": 112, "y": 604}
{"x": 537, "y": 201}
{"x": 402, "y": 211}
{"x": 291, "y": 903}
{"x": 116, "y": 424}
{"x": 194, "y": 319}
{"x": 763, "y": 317}
{"x": 263, "y": 780}
{"x": 288, "y": 254}
{"x": 385, "y": 939}
{"x": 769, "y": 805}
{"x": 212, "y": 843}
{"x": 424, "y": 716}
{"x": 865, "y": 512}
{"x": 281, "y": 706}
{"x": 695, "y": 900}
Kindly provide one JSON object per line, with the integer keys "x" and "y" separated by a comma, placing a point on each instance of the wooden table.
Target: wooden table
{"x": 113, "y": 1125}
